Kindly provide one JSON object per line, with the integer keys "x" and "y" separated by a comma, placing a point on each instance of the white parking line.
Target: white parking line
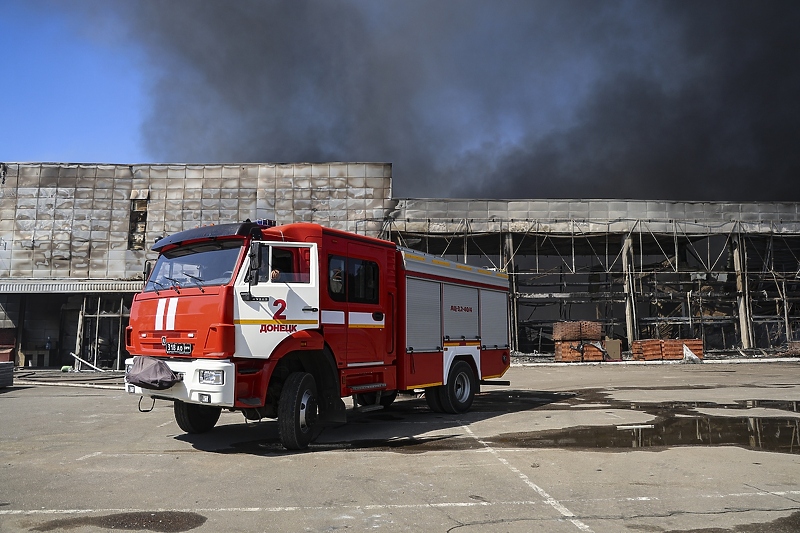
{"x": 549, "y": 500}
{"x": 441, "y": 505}
{"x": 377, "y": 507}
{"x": 95, "y": 454}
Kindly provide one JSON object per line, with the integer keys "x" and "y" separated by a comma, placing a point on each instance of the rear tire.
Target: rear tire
{"x": 432, "y": 399}
{"x": 194, "y": 418}
{"x": 456, "y": 397}
{"x": 298, "y": 411}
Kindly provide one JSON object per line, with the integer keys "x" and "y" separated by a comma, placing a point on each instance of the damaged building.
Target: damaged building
{"x": 74, "y": 239}
{"x": 726, "y": 273}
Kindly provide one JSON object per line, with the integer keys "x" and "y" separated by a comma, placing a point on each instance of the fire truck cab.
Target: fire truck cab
{"x": 285, "y": 321}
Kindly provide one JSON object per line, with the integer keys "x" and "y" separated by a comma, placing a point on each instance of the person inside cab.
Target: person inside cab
{"x": 281, "y": 267}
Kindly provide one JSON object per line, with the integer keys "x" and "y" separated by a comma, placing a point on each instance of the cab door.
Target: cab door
{"x": 275, "y": 306}
{"x": 366, "y": 305}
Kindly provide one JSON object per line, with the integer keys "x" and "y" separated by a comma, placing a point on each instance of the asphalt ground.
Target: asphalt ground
{"x": 603, "y": 448}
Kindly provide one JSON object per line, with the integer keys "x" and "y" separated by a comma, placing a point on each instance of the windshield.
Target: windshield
{"x": 196, "y": 265}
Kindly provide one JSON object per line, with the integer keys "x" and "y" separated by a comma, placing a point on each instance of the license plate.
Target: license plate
{"x": 178, "y": 348}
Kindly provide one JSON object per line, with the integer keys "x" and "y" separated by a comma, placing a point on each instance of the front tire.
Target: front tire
{"x": 194, "y": 418}
{"x": 298, "y": 411}
{"x": 456, "y": 397}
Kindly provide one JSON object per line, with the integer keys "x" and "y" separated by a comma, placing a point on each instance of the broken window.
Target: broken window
{"x": 138, "y": 225}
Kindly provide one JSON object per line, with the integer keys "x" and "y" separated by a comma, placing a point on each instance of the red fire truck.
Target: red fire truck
{"x": 285, "y": 321}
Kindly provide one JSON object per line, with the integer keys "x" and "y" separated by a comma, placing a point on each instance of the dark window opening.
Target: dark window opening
{"x": 138, "y": 225}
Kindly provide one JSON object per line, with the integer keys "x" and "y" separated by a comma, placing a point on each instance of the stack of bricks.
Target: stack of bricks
{"x": 568, "y": 337}
{"x": 567, "y": 352}
{"x": 646, "y": 350}
{"x": 667, "y": 350}
{"x": 592, "y": 353}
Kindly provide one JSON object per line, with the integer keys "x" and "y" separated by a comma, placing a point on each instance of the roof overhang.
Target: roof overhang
{"x": 61, "y": 286}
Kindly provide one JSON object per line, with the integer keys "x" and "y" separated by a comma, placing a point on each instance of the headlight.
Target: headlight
{"x": 212, "y": 377}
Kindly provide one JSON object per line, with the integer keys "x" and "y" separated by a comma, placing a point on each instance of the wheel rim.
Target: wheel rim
{"x": 307, "y": 410}
{"x": 461, "y": 388}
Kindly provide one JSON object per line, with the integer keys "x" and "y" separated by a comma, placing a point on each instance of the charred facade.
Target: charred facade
{"x": 727, "y": 273}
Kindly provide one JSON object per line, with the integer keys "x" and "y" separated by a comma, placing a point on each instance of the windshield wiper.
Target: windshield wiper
{"x": 176, "y": 285}
{"x": 199, "y": 281}
{"x": 154, "y": 282}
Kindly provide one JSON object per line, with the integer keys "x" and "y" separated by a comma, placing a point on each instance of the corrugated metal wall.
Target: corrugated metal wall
{"x": 74, "y": 221}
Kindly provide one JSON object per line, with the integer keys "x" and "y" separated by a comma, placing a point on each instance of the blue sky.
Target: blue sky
{"x": 70, "y": 93}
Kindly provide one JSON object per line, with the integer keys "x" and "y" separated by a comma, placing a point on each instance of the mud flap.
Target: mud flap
{"x": 332, "y": 410}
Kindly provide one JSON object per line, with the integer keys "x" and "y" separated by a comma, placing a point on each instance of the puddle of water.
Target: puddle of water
{"x": 162, "y": 522}
{"x": 768, "y": 434}
{"x": 786, "y": 524}
{"x": 772, "y": 404}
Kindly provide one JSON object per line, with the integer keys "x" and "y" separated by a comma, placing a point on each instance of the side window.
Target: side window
{"x": 353, "y": 280}
{"x": 362, "y": 281}
{"x": 336, "y": 276}
{"x": 285, "y": 265}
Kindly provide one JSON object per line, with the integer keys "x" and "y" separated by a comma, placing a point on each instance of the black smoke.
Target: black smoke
{"x": 503, "y": 99}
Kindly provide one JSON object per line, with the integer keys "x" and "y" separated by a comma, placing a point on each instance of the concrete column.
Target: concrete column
{"x": 466, "y": 237}
{"x": 785, "y": 300}
{"x": 739, "y": 251}
{"x": 79, "y": 336}
{"x": 508, "y": 261}
{"x": 628, "y": 264}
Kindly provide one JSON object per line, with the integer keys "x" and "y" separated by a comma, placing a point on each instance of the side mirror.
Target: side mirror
{"x": 148, "y": 269}
{"x": 252, "y": 275}
{"x": 255, "y": 262}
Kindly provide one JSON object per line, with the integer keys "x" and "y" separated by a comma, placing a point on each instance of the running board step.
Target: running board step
{"x": 498, "y": 382}
{"x": 369, "y": 386}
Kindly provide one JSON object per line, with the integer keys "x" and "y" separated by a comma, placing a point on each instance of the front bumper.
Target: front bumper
{"x": 190, "y": 389}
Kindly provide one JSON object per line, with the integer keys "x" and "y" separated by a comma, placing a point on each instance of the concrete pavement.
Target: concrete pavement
{"x": 565, "y": 448}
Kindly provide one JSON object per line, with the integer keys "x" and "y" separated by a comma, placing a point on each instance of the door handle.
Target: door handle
{"x": 310, "y": 309}
{"x": 377, "y": 315}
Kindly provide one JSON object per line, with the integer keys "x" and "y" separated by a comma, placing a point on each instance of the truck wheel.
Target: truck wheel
{"x": 456, "y": 397}
{"x": 368, "y": 398}
{"x": 194, "y": 418}
{"x": 297, "y": 411}
{"x": 432, "y": 399}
